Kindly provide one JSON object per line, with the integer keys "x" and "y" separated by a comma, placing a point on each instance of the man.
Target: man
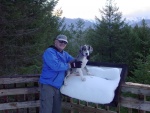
{"x": 56, "y": 62}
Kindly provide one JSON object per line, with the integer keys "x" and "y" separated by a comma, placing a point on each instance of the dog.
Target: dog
{"x": 84, "y": 54}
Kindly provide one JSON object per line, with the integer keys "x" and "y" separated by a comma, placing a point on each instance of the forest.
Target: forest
{"x": 28, "y": 27}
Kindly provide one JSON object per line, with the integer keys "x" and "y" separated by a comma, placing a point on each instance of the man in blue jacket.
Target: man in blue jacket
{"x": 56, "y": 62}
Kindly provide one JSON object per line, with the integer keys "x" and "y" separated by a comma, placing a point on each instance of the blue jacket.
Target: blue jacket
{"x": 55, "y": 64}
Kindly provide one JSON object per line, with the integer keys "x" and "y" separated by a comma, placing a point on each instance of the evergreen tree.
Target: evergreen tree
{"x": 27, "y": 28}
{"x": 143, "y": 40}
{"x": 108, "y": 34}
{"x": 142, "y": 71}
{"x": 76, "y": 36}
{"x": 141, "y": 54}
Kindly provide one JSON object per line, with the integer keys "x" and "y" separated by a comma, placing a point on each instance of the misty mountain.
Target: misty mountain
{"x": 88, "y": 23}
{"x": 139, "y": 23}
{"x": 69, "y": 21}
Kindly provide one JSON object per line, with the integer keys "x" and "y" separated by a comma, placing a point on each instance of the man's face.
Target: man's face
{"x": 60, "y": 45}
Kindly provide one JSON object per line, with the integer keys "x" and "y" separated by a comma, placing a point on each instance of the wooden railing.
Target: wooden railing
{"x": 20, "y": 94}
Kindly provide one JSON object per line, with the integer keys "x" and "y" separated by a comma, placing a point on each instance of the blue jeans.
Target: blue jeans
{"x": 50, "y": 99}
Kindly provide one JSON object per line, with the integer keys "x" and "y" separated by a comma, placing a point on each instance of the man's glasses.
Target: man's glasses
{"x": 61, "y": 41}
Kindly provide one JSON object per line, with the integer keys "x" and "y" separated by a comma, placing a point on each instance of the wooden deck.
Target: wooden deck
{"x": 20, "y": 94}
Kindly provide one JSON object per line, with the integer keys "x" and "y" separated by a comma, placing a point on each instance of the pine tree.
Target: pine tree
{"x": 141, "y": 54}
{"x": 27, "y": 28}
{"x": 143, "y": 40}
{"x": 108, "y": 33}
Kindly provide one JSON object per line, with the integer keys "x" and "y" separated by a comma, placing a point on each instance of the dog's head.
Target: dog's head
{"x": 85, "y": 50}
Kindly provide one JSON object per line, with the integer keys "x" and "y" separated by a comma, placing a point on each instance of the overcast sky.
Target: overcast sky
{"x": 88, "y": 9}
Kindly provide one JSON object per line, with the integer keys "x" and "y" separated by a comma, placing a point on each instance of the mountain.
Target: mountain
{"x": 88, "y": 23}
{"x": 139, "y": 23}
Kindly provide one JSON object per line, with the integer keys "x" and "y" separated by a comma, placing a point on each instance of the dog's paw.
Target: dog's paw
{"x": 65, "y": 84}
{"x": 83, "y": 79}
{"x": 88, "y": 73}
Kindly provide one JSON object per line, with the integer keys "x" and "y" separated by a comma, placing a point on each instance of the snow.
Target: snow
{"x": 99, "y": 88}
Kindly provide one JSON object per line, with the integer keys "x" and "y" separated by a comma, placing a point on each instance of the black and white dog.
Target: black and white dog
{"x": 83, "y": 56}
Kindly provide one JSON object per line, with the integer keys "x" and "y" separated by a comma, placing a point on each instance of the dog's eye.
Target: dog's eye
{"x": 84, "y": 48}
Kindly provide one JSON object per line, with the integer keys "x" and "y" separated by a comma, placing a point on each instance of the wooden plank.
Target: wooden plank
{"x": 17, "y": 91}
{"x": 17, "y": 105}
{"x": 66, "y": 105}
{"x": 134, "y": 103}
{"x": 20, "y": 79}
{"x": 15, "y": 76}
{"x": 131, "y": 84}
{"x": 84, "y": 109}
{"x": 136, "y": 88}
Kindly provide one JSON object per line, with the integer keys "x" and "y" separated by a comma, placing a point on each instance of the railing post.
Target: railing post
{"x": 118, "y": 108}
{"x": 129, "y": 110}
{"x": 37, "y": 96}
{"x": 141, "y": 97}
{"x": 5, "y": 97}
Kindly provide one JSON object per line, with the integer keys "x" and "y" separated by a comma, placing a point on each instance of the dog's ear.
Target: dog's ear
{"x": 90, "y": 49}
{"x": 80, "y": 49}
